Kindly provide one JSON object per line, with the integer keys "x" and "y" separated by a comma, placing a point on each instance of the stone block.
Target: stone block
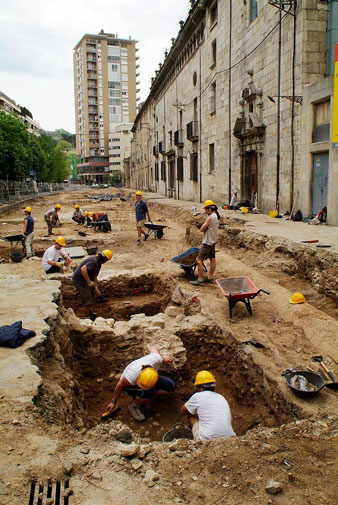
{"x": 173, "y": 311}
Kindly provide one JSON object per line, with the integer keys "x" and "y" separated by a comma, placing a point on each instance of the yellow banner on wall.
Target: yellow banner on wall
{"x": 335, "y": 103}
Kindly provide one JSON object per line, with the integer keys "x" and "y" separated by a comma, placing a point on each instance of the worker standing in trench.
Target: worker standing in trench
{"x": 208, "y": 412}
{"x": 52, "y": 218}
{"x": 85, "y": 278}
{"x": 141, "y": 381}
{"x": 208, "y": 249}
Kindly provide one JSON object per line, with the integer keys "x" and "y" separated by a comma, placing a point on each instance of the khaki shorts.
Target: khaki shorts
{"x": 207, "y": 251}
{"x": 196, "y": 431}
{"x": 140, "y": 224}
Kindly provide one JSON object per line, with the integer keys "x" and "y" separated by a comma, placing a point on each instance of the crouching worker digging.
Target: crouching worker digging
{"x": 85, "y": 278}
{"x": 209, "y": 412}
{"x": 141, "y": 381}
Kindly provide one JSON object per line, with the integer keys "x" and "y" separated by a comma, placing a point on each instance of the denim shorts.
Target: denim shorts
{"x": 163, "y": 384}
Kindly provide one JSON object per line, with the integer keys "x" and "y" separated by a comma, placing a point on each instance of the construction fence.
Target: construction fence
{"x": 12, "y": 191}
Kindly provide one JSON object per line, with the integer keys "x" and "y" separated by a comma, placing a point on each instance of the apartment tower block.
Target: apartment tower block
{"x": 105, "y": 86}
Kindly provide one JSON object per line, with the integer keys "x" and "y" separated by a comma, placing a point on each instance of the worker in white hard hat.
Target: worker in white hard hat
{"x": 142, "y": 214}
{"x": 78, "y": 215}
{"x": 51, "y": 259}
{"x": 28, "y": 232}
{"x": 85, "y": 277}
{"x": 208, "y": 412}
{"x": 208, "y": 249}
{"x": 52, "y": 218}
{"x": 141, "y": 381}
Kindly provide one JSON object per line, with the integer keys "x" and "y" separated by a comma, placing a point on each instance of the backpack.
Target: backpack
{"x": 298, "y": 216}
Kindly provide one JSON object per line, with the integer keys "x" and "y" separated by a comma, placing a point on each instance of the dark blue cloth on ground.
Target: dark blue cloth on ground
{"x": 14, "y": 335}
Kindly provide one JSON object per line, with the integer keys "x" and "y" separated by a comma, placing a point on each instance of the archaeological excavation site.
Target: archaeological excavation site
{"x": 55, "y": 446}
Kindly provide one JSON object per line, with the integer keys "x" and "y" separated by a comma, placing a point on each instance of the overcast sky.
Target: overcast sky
{"x": 37, "y": 38}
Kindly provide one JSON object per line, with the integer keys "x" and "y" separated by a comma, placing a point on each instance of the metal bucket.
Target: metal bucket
{"x": 16, "y": 256}
{"x": 92, "y": 249}
{"x": 179, "y": 431}
{"x": 314, "y": 378}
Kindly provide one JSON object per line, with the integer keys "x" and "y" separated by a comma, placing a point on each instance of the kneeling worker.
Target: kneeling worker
{"x": 85, "y": 278}
{"x": 50, "y": 260}
{"x": 209, "y": 412}
{"x": 141, "y": 381}
{"x": 78, "y": 215}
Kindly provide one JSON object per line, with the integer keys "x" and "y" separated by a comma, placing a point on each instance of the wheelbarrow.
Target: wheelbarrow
{"x": 239, "y": 289}
{"x": 188, "y": 261}
{"x": 156, "y": 229}
{"x": 15, "y": 255}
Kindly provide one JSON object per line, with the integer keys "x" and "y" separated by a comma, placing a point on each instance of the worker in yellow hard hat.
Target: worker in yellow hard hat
{"x": 208, "y": 249}
{"x": 141, "y": 381}
{"x": 78, "y": 215}
{"x": 52, "y": 218}
{"x": 85, "y": 277}
{"x": 52, "y": 257}
{"x": 28, "y": 233}
{"x": 208, "y": 412}
{"x": 142, "y": 214}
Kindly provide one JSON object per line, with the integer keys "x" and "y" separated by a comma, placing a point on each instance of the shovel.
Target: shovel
{"x": 331, "y": 385}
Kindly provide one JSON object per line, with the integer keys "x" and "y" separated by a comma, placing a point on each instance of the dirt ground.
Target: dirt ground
{"x": 55, "y": 387}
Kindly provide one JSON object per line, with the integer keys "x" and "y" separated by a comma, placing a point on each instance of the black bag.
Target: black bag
{"x": 298, "y": 216}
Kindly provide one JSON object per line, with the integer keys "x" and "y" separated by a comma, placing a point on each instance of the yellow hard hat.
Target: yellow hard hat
{"x": 85, "y": 213}
{"x": 76, "y": 206}
{"x": 58, "y": 206}
{"x": 60, "y": 241}
{"x": 297, "y": 298}
{"x": 147, "y": 378}
{"x": 208, "y": 203}
{"x": 28, "y": 209}
{"x": 204, "y": 377}
{"x": 91, "y": 214}
{"x": 108, "y": 254}
{"x": 139, "y": 193}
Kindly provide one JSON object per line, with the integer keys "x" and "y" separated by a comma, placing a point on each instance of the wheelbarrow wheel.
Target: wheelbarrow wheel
{"x": 159, "y": 234}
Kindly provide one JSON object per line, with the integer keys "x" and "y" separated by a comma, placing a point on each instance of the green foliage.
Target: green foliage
{"x": 64, "y": 145}
{"x": 26, "y": 112}
{"x": 22, "y": 153}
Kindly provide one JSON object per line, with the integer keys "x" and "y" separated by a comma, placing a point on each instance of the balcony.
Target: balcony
{"x": 192, "y": 130}
{"x": 161, "y": 147}
{"x": 155, "y": 151}
{"x": 92, "y": 84}
{"x": 178, "y": 137}
{"x": 90, "y": 50}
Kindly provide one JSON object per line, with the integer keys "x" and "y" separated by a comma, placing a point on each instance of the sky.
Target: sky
{"x": 37, "y": 38}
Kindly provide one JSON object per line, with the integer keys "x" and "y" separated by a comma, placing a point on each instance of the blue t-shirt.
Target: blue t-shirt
{"x": 141, "y": 210}
{"x": 30, "y": 225}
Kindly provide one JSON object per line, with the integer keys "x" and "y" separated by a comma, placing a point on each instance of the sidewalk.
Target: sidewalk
{"x": 264, "y": 224}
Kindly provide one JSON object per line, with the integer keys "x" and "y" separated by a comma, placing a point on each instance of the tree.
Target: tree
{"x": 16, "y": 153}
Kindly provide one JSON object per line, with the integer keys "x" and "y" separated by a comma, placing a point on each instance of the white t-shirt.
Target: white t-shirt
{"x": 133, "y": 370}
{"x": 210, "y": 236}
{"x": 214, "y": 414}
{"x": 52, "y": 254}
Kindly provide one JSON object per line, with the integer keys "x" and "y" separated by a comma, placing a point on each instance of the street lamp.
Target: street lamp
{"x": 296, "y": 98}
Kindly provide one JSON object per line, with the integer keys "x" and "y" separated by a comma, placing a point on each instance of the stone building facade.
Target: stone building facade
{"x": 243, "y": 102}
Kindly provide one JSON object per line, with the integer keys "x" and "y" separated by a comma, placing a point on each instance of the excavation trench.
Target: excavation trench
{"x": 80, "y": 367}
{"x": 124, "y": 296}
